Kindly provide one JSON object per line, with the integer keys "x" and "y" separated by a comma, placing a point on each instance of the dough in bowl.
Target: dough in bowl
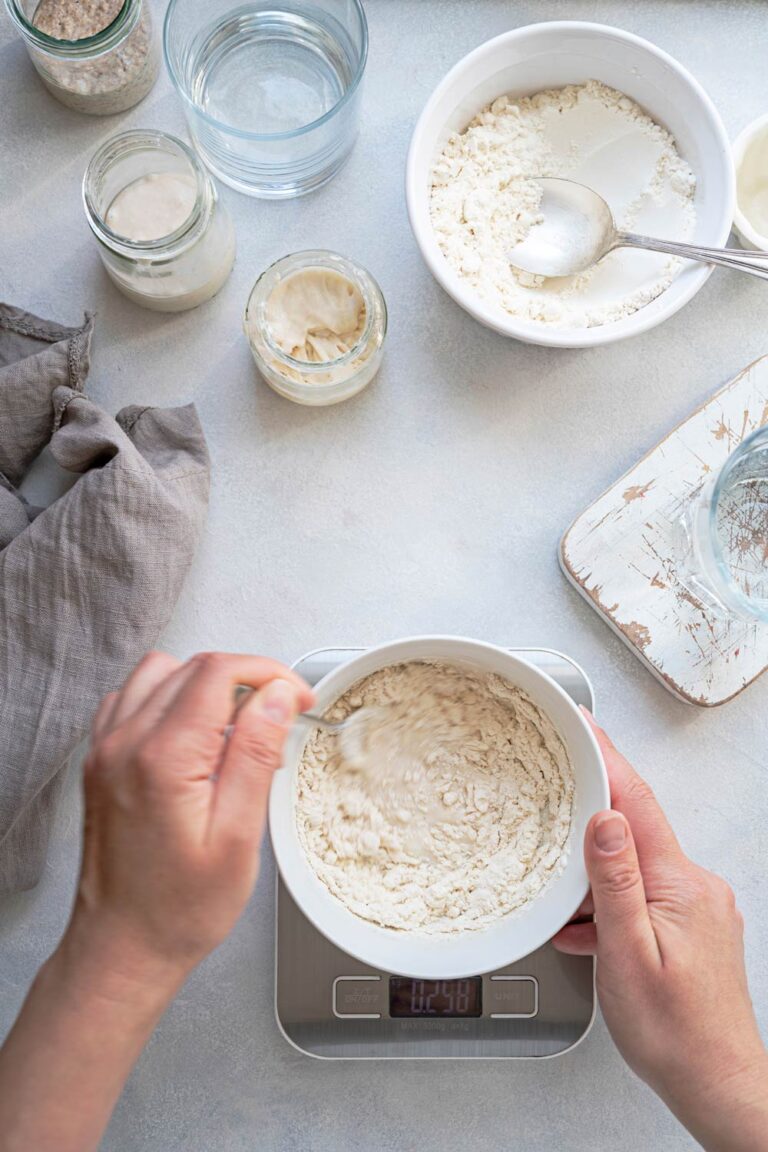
{"x": 456, "y": 812}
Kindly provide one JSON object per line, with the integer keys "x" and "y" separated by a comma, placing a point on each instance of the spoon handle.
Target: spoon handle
{"x": 319, "y": 722}
{"x": 756, "y": 263}
{"x": 242, "y": 694}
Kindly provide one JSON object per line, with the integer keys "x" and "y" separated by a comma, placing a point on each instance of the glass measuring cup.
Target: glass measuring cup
{"x": 271, "y": 88}
{"x": 726, "y": 534}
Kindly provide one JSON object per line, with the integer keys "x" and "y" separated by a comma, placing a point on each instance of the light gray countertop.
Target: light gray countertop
{"x": 432, "y": 502}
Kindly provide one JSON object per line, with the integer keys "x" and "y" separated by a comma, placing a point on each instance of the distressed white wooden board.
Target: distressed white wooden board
{"x": 622, "y": 554}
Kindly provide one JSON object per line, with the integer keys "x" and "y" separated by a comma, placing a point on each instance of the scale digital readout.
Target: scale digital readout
{"x": 409, "y": 998}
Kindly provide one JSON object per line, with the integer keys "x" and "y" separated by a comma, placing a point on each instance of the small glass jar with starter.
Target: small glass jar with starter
{"x": 316, "y": 323}
{"x": 96, "y": 56}
{"x": 164, "y": 237}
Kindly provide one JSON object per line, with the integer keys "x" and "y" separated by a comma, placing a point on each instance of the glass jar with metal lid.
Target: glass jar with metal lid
{"x": 316, "y": 323}
{"x": 91, "y": 68}
{"x": 164, "y": 237}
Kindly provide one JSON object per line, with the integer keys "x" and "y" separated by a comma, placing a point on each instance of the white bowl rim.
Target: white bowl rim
{"x": 535, "y": 333}
{"x": 744, "y": 225}
{"x": 484, "y": 959}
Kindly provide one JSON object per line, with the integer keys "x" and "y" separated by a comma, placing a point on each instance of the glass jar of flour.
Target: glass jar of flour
{"x": 164, "y": 238}
{"x": 96, "y": 56}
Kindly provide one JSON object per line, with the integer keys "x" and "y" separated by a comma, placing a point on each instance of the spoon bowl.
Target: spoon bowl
{"x": 575, "y": 230}
{"x": 353, "y": 732}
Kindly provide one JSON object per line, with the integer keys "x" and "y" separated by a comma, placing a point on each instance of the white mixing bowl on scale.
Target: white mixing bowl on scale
{"x": 467, "y": 953}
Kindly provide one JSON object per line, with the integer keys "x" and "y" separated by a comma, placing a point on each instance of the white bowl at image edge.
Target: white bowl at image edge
{"x": 748, "y": 235}
{"x": 442, "y": 957}
{"x": 540, "y": 56}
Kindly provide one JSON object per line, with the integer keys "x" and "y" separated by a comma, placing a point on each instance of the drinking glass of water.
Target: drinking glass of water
{"x": 271, "y": 88}
{"x": 726, "y": 530}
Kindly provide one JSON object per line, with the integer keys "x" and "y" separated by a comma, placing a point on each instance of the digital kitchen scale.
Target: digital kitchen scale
{"x": 331, "y": 1006}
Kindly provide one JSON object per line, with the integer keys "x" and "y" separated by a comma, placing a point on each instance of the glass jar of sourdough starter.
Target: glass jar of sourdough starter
{"x": 316, "y": 324}
{"x": 96, "y": 56}
{"x": 271, "y": 88}
{"x": 164, "y": 238}
{"x": 725, "y": 529}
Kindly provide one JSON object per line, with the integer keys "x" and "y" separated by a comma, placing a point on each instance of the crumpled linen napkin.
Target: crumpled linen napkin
{"x": 88, "y": 584}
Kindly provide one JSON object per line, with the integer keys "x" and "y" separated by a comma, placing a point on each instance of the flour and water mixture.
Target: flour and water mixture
{"x": 484, "y": 200}
{"x": 455, "y": 808}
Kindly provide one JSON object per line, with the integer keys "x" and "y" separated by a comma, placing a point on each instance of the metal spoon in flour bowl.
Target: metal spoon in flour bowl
{"x": 354, "y": 731}
{"x": 577, "y": 229}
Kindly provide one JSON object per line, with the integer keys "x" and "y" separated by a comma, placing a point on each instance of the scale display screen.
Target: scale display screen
{"x": 408, "y": 998}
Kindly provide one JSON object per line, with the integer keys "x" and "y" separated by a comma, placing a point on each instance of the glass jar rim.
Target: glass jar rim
{"x": 181, "y": 237}
{"x": 364, "y": 281}
{"x": 244, "y": 133}
{"x": 97, "y": 44}
{"x": 733, "y": 591}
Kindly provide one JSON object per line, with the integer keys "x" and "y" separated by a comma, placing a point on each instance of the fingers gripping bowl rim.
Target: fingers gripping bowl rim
{"x": 467, "y": 953}
{"x": 552, "y": 55}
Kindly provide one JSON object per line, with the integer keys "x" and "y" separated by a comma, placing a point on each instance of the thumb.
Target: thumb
{"x": 253, "y": 755}
{"x": 624, "y": 930}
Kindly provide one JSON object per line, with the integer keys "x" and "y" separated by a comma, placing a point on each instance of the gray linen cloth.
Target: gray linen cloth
{"x": 88, "y": 584}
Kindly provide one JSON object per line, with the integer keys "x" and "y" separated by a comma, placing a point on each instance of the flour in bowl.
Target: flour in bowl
{"x": 483, "y": 200}
{"x": 456, "y": 812}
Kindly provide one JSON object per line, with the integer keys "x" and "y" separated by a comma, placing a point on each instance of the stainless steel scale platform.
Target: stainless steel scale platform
{"x": 331, "y": 1006}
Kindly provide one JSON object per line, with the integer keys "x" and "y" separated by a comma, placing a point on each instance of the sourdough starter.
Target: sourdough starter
{"x": 153, "y": 206}
{"x": 456, "y": 812}
{"x": 316, "y": 315}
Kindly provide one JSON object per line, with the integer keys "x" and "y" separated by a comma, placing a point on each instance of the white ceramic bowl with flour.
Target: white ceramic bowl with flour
{"x": 472, "y": 952}
{"x": 541, "y": 57}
